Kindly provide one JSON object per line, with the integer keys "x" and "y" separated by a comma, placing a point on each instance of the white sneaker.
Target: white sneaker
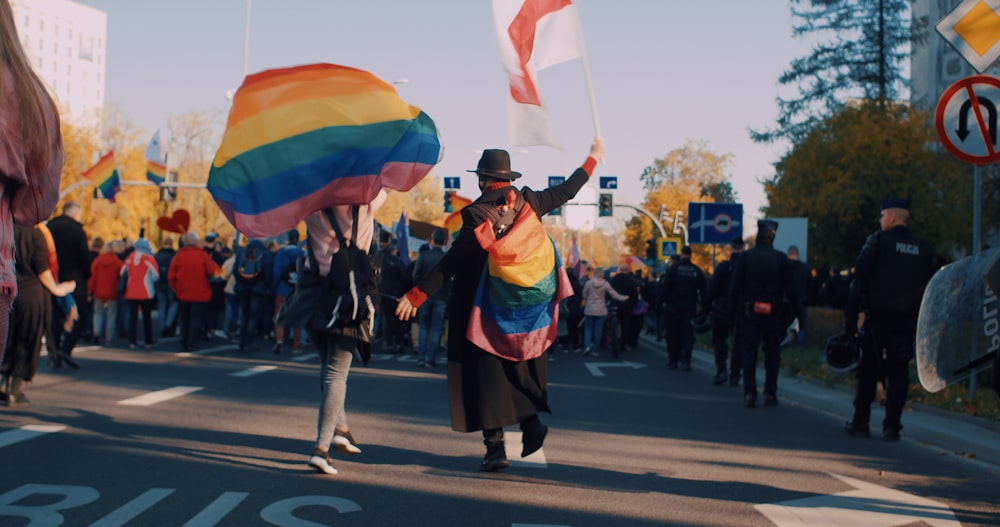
{"x": 320, "y": 461}
{"x": 343, "y": 445}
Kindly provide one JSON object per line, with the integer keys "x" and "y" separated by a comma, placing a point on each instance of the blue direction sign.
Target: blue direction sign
{"x": 452, "y": 182}
{"x": 555, "y": 181}
{"x": 714, "y": 223}
{"x": 609, "y": 182}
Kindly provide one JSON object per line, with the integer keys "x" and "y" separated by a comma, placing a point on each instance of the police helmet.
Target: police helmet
{"x": 842, "y": 353}
{"x": 701, "y": 323}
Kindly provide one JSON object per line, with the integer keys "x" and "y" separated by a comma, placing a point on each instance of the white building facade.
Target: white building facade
{"x": 67, "y": 43}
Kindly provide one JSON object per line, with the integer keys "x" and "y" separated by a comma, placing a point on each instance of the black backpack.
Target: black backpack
{"x": 249, "y": 270}
{"x": 348, "y": 293}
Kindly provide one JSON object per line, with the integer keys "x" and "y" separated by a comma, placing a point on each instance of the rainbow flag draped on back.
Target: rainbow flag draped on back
{"x": 105, "y": 174}
{"x": 304, "y": 138}
{"x": 515, "y": 311}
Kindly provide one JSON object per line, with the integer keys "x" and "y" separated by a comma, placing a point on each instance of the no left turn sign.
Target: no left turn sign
{"x": 966, "y": 119}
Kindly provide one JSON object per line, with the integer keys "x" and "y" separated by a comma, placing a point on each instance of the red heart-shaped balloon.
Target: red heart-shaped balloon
{"x": 179, "y": 222}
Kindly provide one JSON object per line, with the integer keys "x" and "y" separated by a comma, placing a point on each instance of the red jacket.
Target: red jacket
{"x": 104, "y": 273}
{"x": 189, "y": 273}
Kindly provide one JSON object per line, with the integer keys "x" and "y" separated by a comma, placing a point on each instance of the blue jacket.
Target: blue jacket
{"x": 286, "y": 256}
{"x": 262, "y": 285}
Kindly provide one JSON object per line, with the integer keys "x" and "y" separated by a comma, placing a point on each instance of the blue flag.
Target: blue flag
{"x": 403, "y": 238}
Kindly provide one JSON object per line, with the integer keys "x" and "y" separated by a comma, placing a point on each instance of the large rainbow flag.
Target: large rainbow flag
{"x": 515, "y": 312}
{"x": 105, "y": 174}
{"x": 304, "y": 138}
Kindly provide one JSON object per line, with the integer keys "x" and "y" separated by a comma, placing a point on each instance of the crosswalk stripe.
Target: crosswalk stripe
{"x": 27, "y": 432}
{"x": 253, "y": 371}
{"x": 306, "y": 357}
{"x": 536, "y": 460}
{"x": 152, "y": 398}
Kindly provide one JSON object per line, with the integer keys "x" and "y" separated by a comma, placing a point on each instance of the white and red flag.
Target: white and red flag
{"x": 533, "y": 35}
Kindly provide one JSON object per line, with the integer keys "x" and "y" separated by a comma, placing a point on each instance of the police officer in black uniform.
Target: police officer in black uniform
{"x": 892, "y": 271}
{"x": 762, "y": 302}
{"x": 683, "y": 286}
{"x": 722, "y": 325}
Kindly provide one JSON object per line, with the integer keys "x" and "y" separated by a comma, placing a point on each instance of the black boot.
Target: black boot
{"x": 496, "y": 455}
{"x": 533, "y": 434}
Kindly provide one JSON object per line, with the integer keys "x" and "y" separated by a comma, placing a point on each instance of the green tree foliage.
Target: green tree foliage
{"x": 838, "y": 174}
{"x": 860, "y": 50}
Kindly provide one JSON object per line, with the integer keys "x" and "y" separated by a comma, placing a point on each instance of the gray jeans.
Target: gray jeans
{"x": 336, "y": 353}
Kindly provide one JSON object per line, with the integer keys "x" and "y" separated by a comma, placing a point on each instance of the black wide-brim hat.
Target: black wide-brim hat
{"x": 495, "y": 163}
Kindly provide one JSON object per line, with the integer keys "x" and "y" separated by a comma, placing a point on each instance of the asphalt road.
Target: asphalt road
{"x": 157, "y": 438}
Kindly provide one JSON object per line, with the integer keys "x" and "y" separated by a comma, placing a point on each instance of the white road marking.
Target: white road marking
{"x": 152, "y": 398}
{"x": 27, "y": 432}
{"x": 249, "y": 372}
{"x": 868, "y": 505}
{"x": 536, "y": 460}
{"x": 305, "y": 357}
{"x": 207, "y": 351}
{"x": 595, "y": 367}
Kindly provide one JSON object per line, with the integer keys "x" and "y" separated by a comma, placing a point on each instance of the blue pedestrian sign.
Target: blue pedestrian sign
{"x": 555, "y": 181}
{"x": 609, "y": 182}
{"x": 714, "y": 223}
{"x": 452, "y": 182}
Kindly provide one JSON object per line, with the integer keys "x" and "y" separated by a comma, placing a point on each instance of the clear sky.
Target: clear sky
{"x": 663, "y": 71}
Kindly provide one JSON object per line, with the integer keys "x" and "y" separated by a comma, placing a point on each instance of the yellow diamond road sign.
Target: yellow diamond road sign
{"x": 973, "y": 29}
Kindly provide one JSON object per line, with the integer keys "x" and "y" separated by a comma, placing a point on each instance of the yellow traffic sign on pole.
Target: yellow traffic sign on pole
{"x": 973, "y": 29}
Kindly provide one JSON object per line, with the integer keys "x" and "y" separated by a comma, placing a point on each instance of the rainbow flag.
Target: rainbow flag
{"x": 515, "y": 311}
{"x": 105, "y": 171}
{"x": 304, "y": 138}
{"x": 156, "y": 172}
{"x": 453, "y": 222}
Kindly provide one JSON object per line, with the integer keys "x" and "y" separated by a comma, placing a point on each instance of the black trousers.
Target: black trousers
{"x": 887, "y": 347}
{"x": 752, "y": 333}
{"x": 723, "y": 352}
{"x": 680, "y": 336}
{"x": 191, "y": 316}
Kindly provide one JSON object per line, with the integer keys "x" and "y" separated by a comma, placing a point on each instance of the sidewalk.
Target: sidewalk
{"x": 957, "y": 434}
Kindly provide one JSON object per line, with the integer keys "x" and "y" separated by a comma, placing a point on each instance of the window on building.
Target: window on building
{"x": 69, "y": 69}
{"x": 41, "y": 25}
{"x": 41, "y": 44}
{"x": 55, "y": 47}
{"x": 86, "y": 48}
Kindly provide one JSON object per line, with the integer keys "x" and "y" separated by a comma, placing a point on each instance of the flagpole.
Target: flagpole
{"x": 586, "y": 74}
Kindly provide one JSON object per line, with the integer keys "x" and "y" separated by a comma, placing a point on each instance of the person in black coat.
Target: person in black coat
{"x": 763, "y": 302}
{"x": 488, "y": 392}
{"x": 73, "y": 256}
{"x": 682, "y": 288}
{"x": 893, "y": 269}
{"x": 722, "y": 325}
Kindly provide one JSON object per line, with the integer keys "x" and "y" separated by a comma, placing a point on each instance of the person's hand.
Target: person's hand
{"x": 597, "y": 149}
{"x": 404, "y": 309}
{"x": 68, "y": 287}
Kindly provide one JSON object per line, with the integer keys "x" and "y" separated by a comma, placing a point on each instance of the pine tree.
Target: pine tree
{"x": 860, "y": 49}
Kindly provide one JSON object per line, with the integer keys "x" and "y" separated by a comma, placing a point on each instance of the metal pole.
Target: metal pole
{"x": 977, "y": 233}
{"x": 246, "y": 43}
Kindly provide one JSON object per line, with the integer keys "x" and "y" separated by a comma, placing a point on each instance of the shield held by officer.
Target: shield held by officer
{"x": 958, "y": 331}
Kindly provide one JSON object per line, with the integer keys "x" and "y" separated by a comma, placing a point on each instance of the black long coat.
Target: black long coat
{"x": 486, "y": 391}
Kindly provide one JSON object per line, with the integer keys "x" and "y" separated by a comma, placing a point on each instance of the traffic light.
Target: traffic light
{"x": 605, "y": 206}
{"x": 651, "y": 249}
{"x": 167, "y": 194}
{"x": 447, "y": 201}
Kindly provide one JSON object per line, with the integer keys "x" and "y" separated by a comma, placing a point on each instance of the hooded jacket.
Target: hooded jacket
{"x": 104, "y": 274}
{"x": 143, "y": 272}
